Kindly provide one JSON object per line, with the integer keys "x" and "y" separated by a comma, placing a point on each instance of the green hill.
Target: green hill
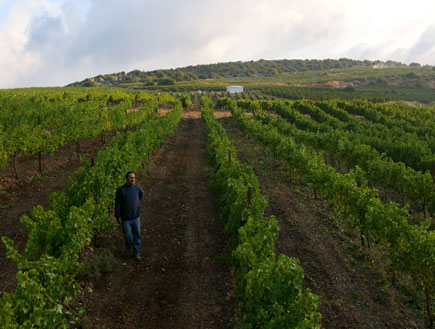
{"x": 374, "y": 80}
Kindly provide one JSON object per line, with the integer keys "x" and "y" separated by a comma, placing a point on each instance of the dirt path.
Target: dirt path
{"x": 179, "y": 283}
{"x": 352, "y": 290}
{"x": 18, "y": 197}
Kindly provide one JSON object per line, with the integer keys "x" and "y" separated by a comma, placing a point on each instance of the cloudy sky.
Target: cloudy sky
{"x": 55, "y": 42}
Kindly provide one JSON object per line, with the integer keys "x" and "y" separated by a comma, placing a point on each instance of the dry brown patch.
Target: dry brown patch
{"x": 219, "y": 114}
{"x": 338, "y": 84}
{"x": 222, "y": 114}
{"x": 191, "y": 114}
{"x": 163, "y": 111}
{"x": 133, "y": 109}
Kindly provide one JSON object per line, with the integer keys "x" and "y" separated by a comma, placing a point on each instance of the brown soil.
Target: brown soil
{"x": 353, "y": 291}
{"x": 18, "y": 197}
{"x": 179, "y": 283}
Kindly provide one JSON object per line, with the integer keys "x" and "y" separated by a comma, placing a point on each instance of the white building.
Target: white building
{"x": 234, "y": 89}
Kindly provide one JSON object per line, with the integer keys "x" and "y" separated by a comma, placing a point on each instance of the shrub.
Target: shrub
{"x": 102, "y": 261}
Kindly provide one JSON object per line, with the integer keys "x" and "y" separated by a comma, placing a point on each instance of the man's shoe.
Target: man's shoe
{"x": 128, "y": 253}
{"x": 137, "y": 257}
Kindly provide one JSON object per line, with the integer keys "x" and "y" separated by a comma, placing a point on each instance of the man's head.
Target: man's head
{"x": 131, "y": 178}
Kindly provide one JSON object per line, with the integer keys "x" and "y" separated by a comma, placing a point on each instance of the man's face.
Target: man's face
{"x": 131, "y": 179}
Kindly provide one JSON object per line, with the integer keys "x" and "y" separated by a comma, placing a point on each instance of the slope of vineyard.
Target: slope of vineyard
{"x": 353, "y": 290}
{"x": 18, "y": 197}
{"x": 57, "y": 235}
{"x": 182, "y": 281}
{"x": 40, "y": 122}
{"x": 348, "y": 184}
{"x": 268, "y": 288}
{"x": 345, "y": 151}
{"x": 410, "y": 248}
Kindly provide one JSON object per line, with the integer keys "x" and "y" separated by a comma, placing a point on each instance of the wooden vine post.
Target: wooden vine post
{"x": 426, "y": 292}
{"x": 249, "y": 195}
{"x": 39, "y": 153}
{"x": 78, "y": 149}
{"x": 126, "y": 126}
{"x": 103, "y": 136}
{"x": 17, "y": 176}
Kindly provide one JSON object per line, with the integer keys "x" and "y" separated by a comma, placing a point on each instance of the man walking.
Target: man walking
{"x": 127, "y": 213}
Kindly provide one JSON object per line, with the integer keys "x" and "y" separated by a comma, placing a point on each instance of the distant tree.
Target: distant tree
{"x": 135, "y": 73}
{"x": 382, "y": 81}
{"x": 165, "y": 82}
{"x": 159, "y": 74}
{"x": 411, "y": 75}
{"x": 90, "y": 83}
{"x": 179, "y": 75}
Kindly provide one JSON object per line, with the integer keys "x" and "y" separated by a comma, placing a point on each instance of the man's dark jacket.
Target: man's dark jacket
{"x": 127, "y": 201}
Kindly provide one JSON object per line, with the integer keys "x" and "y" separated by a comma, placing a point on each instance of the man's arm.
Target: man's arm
{"x": 141, "y": 193}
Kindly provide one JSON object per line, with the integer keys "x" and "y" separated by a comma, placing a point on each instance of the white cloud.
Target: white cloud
{"x": 55, "y": 42}
{"x": 424, "y": 49}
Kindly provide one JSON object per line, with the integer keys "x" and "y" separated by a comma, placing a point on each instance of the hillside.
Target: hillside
{"x": 290, "y": 79}
{"x": 320, "y": 72}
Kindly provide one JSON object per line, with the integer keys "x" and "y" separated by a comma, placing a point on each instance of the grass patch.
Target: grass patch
{"x": 99, "y": 263}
